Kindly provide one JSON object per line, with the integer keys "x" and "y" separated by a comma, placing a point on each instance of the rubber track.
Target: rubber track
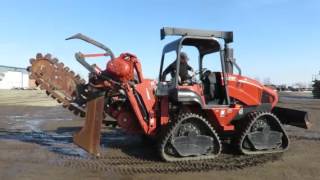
{"x": 167, "y": 132}
{"x": 245, "y": 126}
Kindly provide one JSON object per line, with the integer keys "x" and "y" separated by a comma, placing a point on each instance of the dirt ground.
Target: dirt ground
{"x": 36, "y": 143}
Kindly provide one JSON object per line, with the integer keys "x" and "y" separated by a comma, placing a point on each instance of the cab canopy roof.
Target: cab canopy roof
{"x": 227, "y": 36}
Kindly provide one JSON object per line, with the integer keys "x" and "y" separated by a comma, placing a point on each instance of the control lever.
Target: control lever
{"x": 80, "y": 58}
{"x": 93, "y": 42}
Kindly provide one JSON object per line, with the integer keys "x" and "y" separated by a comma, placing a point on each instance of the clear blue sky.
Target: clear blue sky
{"x": 276, "y": 38}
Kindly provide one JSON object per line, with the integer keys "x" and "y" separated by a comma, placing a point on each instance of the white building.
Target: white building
{"x": 13, "y": 77}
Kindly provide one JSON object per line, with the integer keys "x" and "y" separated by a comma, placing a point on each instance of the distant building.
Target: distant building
{"x": 14, "y": 77}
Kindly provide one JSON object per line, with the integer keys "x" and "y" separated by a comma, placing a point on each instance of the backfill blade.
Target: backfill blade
{"x": 293, "y": 117}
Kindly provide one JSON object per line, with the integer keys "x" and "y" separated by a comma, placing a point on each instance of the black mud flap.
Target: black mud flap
{"x": 292, "y": 117}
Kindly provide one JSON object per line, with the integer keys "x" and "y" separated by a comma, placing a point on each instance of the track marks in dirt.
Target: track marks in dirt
{"x": 128, "y": 165}
{"x": 125, "y": 155}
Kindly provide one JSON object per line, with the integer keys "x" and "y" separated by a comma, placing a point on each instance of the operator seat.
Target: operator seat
{"x": 213, "y": 90}
{"x": 209, "y": 81}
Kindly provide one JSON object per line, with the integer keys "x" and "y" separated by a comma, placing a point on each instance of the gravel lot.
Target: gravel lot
{"x": 36, "y": 143}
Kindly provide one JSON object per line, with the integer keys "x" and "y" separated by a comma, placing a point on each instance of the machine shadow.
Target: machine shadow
{"x": 60, "y": 141}
{"x": 136, "y": 146}
{"x": 142, "y": 147}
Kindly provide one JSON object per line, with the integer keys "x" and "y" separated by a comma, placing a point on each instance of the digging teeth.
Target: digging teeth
{"x": 54, "y": 60}
{"x": 71, "y": 108}
{"x": 39, "y": 56}
{"x": 32, "y": 60}
{"x": 82, "y": 81}
{"x": 76, "y": 112}
{"x": 48, "y": 93}
{"x": 43, "y": 80}
{"x": 37, "y": 83}
{"x": 29, "y": 68}
{"x": 60, "y": 65}
{"x": 42, "y": 87}
{"x": 77, "y": 77}
{"x": 47, "y": 56}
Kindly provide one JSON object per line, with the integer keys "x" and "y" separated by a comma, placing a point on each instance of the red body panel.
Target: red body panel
{"x": 164, "y": 110}
{"x": 141, "y": 95}
{"x": 128, "y": 121}
{"x": 223, "y": 116}
{"x": 248, "y": 91}
{"x": 122, "y": 67}
{"x": 219, "y": 115}
{"x": 146, "y": 90}
{"x": 127, "y": 68}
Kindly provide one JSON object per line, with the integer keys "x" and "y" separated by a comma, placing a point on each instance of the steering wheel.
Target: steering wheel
{"x": 205, "y": 73}
{"x": 201, "y": 72}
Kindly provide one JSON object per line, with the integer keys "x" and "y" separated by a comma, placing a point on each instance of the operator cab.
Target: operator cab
{"x": 207, "y": 59}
